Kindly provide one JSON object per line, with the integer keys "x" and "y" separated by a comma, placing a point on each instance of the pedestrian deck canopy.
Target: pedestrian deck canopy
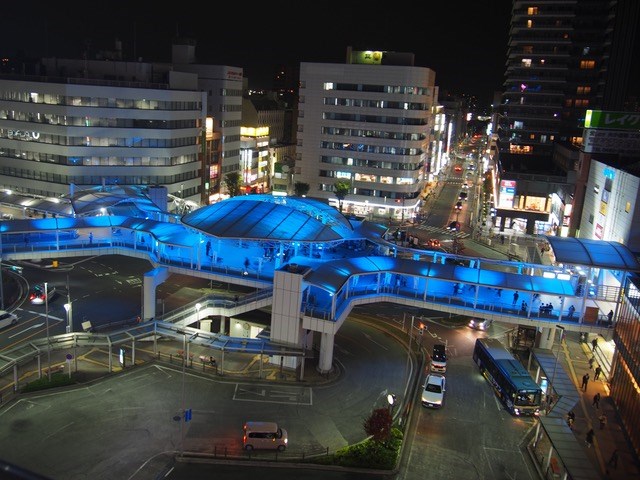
{"x": 266, "y": 217}
{"x": 593, "y": 253}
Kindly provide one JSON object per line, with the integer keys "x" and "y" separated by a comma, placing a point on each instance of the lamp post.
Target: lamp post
{"x": 46, "y": 310}
{"x": 555, "y": 365}
{"x": 67, "y": 307}
{"x": 198, "y": 307}
{"x": 391, "y": 400}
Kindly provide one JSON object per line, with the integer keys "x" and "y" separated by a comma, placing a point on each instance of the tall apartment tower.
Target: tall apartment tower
{"x": 564, "y": 57}
{"x": 367, "y": 122}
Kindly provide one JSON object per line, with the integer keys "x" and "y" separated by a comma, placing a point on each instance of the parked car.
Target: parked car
{"x": 433, "y": 391}
{"x": 38, "y": 295}
{"x": 480, "y": 323}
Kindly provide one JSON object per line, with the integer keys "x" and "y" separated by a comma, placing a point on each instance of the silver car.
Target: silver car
{"x": 433, "y": 392}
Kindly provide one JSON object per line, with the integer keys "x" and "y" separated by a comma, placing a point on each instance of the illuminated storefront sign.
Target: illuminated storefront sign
{"x": 507, "y": 193}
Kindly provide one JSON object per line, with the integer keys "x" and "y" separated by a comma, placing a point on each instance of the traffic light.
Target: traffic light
{"x": 421, "y": 329}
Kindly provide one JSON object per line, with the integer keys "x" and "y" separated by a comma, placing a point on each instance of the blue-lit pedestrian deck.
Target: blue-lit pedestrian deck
{"x": 337, "y": 275}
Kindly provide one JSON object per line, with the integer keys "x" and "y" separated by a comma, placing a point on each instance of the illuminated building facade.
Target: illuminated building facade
{"x": 55, "y": 133}
{"x": 368, "y": 124}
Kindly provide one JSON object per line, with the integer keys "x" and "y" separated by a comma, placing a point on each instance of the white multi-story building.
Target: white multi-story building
{"x": 367, "y": 123}
{"x": 55, "y": 132}
{"x": 93, "y": 122}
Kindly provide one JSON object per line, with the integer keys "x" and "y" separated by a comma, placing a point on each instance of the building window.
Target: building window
{"x": 532, "y": 11}
{"x": 583, "y": 90}
{"x": 526, "y": 62}
{"x": 587, "y": 64}
{"x": 527, "y": 49}
{"x": 529, "y": 23}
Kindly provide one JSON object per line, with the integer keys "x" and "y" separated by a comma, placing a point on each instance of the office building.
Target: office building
{"x": 367, "y": 122}
{"x": 93, "y": 122}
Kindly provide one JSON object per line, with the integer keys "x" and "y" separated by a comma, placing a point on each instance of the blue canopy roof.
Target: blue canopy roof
{"x": 267, "y": 217}
{"x": 331, "y": 276}
{"x": 593, "y": 253}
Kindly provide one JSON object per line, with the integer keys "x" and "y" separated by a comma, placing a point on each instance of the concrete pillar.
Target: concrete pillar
{"x": 531, "y": 224}
{"x": 547, "y": 336}
{"x": 149, "y": 283}
{"x": 205, "y": 325}
{"x": 326, "y": 352}
{"x": 223, "y": 321}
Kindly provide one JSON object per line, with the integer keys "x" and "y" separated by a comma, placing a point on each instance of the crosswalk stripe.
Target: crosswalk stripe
{"x": 432, "y": 229}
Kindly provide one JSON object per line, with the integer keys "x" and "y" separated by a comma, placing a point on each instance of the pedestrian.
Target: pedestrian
{"x": 90, "y": 238}
{"x": 613, "y": 460}
{"x": 610, "y": 316}
{"x": 516, "y": 295}
{"x": 208, "y": 248}
{"x": 571, "y": 418}
{"x": 594, "y": 344}
{"x": 585, "y": 381}
{"x": 591, "y": 360}
{"x": 596, "y": 400}
{"x": 598, "y": 372}
{"x": 603, "y": 420}
{"x": 502, "y": 239}
{"x": 589, "y": 439}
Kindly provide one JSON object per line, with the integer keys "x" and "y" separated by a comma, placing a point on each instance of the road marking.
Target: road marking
{"x": 368, "y": 337}
{"x": 38, "y": 325}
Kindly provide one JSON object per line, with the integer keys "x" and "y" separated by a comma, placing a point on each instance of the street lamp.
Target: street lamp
{"x": 46, "y": 310}
{"x": 67, "y": 307}
{"x": 198, "y": 307}
{"x": 391, "y": 400}
{"x": 555, "y": 365}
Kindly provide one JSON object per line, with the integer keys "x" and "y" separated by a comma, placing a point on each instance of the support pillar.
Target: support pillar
{"x": 547, "y": 337}
{"x": 223, "y": 321}
{"x": 325, "y": 363}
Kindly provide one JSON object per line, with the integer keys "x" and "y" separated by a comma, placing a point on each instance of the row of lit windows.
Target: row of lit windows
{"x": 358, "y": 132}
{"x": 36, "y": 137}
{"x": 363, "y": 162}
{"x": 394, "y": 198}
{"x": 363, "y": 177}
{"x": 578, "y": 102}
{"x": 348, "y": 117}
{"x": 358, "y": 87}
{"x": 139, "y": 104}
{"x": 364, "y": 103}
{"x": 99, "y": 161}
{"x": 50, "y": 177}
{"x": 361, "y": 147}
{"x": 89, "y": 121}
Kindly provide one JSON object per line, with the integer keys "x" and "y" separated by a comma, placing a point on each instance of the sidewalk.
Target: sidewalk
{"x": 612, "y": 436}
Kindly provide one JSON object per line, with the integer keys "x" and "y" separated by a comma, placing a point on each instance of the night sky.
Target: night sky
{"x": 465, "y": 43}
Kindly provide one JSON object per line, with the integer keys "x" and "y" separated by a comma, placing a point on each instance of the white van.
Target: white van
{"x": 264, "y": 435}
{"x": 7, "y": 319}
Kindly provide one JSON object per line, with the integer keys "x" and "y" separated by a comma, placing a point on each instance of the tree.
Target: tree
{"x": 378, "y": 425}
{"x": 300, "y": 189}
{"x": 341, "y": 189}
{"x": 233, "y": 182}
